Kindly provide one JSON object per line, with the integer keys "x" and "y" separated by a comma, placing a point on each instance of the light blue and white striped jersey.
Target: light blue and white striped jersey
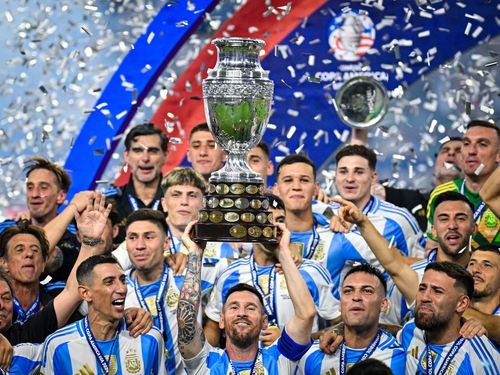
{"x": 476, "y": 356}
{"x": 398, "y": 311}
{"x": 240, "y": 271}
{"x": 26, "y": 360}
{"x": 67, "y": 351}
{"x": 280, "y": 358}
{"x": 388, "y": 351}
{"x": 170, "y": 300}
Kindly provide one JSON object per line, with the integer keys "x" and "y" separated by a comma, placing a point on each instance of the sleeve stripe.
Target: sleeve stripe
{"x": 404, "y": 213}
{"x": 484, "y": 354}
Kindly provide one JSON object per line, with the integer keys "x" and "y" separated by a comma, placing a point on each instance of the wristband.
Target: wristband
{"x": 91, "y": 241}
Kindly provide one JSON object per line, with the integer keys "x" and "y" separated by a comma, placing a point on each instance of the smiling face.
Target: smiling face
{"x": 6, "y": 306}
{"x": 480, "y": 146}
{"x": 484, "y": 267}
{"x": 106, "y": 292}
{"x": 453, "y": 226}
{"x": 146, "y": 243}
{"x": 243, "y": 318}
{"x": 204, "y": 154}
{"x": 361, "y": 301}
{"x": 43, "y": 195}
{"x": 448, "y": 163}
{"x": 297, "y": 187}
{"x": 182, "y": 203}
{"x": 145, "y": 158}
{"x": 354, "y": 179}
{"x": 23, "y": 258}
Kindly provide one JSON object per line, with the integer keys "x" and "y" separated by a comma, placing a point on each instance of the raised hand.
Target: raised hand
{"x": 348, "y": 213}
{"x": 92, "y": 221}
{"x": 81, "y": 199}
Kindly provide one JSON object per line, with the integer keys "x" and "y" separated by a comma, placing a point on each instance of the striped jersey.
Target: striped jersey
{"x": 388, "y": 351}
{"x": 488, "y": 225}
{"x": 280, "y": 358}
{"x": 26, "y": 359}
{"x": 67, "y": 351}
{"x": 273, "y": 286}
{"x": 398, "y": 310}
{"x": 475, "y": 356}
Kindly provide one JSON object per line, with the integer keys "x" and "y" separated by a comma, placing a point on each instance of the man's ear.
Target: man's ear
{"x": 61, "y": 197}
{"x": 316, "y": 189}
{"x": 385, "y": 305}
{"x": 3, "y": 264}
{"x": 163, "y": 204}
{"x": 374, "y": 178}
{"x": 265, "y": 322}
{"x": 85, "y": 293}
{"x": 270, "y": 168}
{"x": 433, "y": 231}
{"x": 462, "y": 304}
{"x": 221, "y": 321}
{"x": 115, "y": 230}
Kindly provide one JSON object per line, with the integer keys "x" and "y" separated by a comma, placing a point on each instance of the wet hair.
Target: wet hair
{"x": 146, "y": 129}
{"x": 183, "y": 176}
{"x": 463, "y": 279}
{"x": 148, "y": 214}
{"x": 85, "y": 270}
{"x": 483, "y": 124}
{"x": 370, "y": 366}
{"x": 358, "y": 150}
{"x": 203, "y": 127}
{"x": 241, "y": 287}
{"x": 369, "y": 269}
{"x": 62, "y": 177}
{"x": 24, "y": 227}
{"x": 264, "y": 147}
{"x": 451, "y": 196}
{"x": 294, "y": 159}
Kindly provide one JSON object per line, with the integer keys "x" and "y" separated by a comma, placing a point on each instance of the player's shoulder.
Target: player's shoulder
{"x": 389, "y": 342}
{"x": 447, "y": 186}
{"x": 66, "y": 334}
{"x": 313, "y": 267}
{"x": 237, "y": 264}
{"x": 154, "y": 333}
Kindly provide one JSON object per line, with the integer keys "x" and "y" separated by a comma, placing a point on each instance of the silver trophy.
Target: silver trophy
{"x": 361, "y": 102}
{"x": 237, "y": 95}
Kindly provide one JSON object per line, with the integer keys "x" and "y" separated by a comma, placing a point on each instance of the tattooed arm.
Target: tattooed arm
{"x": 190, "y": 337}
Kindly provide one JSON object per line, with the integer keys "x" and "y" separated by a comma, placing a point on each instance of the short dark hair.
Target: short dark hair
{"x": 241, "y": 287}
{"x": 358, "y": 150}
{"x": 203, "y": 127}
{"x": 86, "y": 268}
{"x": 24, "y": 227}
{"x": 264, "y": 147}
{"x": 4, "y": 276}
{"x": 62, "y": 177}
{"x": 483, "y": 124}
{"x": 493, "y": 248}
{"x": 294, "y": 159}
{"x": 146, "y": 129}
{"x": 369, "y": 269}
{"x": 370, "y": 366}
{"x": 275, "y": 202}
{"x": 463, "y": 279}
{"x": 148, "y": 214}
{"x": 451, "y": 196}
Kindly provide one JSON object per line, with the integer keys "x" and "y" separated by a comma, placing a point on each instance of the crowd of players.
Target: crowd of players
{"x": 115, "y": 284}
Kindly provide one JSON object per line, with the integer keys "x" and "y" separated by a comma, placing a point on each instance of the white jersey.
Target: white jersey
{"x": 475, "y": 356}
{"x": 398, "y": 310}
{"x": 170, "y": 297}
{"x": 280, "y": 358}
{"x": 26, "y": 359}
{"x": 67, "y": 351}
{"x": 272, "y": 286}
{"x": 388, "y": 351}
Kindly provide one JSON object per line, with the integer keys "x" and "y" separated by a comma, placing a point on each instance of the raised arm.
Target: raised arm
{"x": 405, "y": 278}
{"x": 91, "y": 224}
{"x": 299, "y": 327}
{"x": 490, "y": 192}
{"x": 190, "y": 337}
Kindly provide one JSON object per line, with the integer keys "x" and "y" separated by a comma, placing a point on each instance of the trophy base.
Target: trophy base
{"x": 235, "y": 212}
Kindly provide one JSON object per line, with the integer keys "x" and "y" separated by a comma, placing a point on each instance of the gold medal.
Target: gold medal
{"x": 255, "y": 204}
{"x": 267, "y": 232}
{"x": 252, "y": 189}
{"x": 238, "y": 231}
{"x": 255, "y": 232}
{"x": 247, "y": 217}
{"x": 216, "y": 216}
{"x": 231, "y": 217}
{"x": 226, "y": 203}
{"x": 242, "y": 203}
{"x": 203, "y": 216}
{"x": 237, "y": 189}
{"x": 222, "y": 189}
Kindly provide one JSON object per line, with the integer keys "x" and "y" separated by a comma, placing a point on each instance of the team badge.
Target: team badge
{"x": 132, "y": 362}
{"x": 172, "y": 297}
{"x": 489, "y": 225}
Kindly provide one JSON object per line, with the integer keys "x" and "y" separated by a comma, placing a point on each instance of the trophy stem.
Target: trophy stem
{"x": 236, "y": 169}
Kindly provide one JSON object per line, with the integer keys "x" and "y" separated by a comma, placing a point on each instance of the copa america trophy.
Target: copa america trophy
{"x": 237, "y": 95}
{"x": 361, "y": 102}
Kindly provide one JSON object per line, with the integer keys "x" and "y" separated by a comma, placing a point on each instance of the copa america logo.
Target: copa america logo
{"x": 351, "y": 35}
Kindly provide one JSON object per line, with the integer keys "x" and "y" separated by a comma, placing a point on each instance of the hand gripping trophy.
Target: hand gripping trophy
{"x": 237, "y": 95}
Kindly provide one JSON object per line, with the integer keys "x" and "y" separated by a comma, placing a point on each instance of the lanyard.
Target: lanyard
{"x": 496, "y": 311}
{"x": 173, "y": 240}
{"x": 135, "y": 205}
{"x": 313, "y": 244}
{"x": 446, "y": 362}
{"x": 366, "y": 354}
{"x": 252, "y": 368}
{"x": 22, "y": 315}
{"x": 269, "y": 300}
{"x": 480, "y": 207}
{"x": 158, "y": 299}
{"x": 95, "y": 349}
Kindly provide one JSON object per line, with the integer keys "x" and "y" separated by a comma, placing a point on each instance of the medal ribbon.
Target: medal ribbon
{"x": 446, "y": 362}
{"x": 313, "y": 244}
{"x": 481, "y": 206}
{"x": 269, "y": 300}
{"x": 252, "y": 369}
{"x": 95, "y": 349}
{"x": 158, "y": 299}
{"x": 135, "y": 205}
{"x": 22, "y": 315}
{"x": 366, "y": 354}
{"x": 173, "y": 248}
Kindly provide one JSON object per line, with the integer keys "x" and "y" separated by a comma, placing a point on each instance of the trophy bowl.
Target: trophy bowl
{"x": 237, "y": 95}
{"x": 361, "y": 102}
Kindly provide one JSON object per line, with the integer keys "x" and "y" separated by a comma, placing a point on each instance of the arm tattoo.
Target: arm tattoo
{"x": 189, "y": 303}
